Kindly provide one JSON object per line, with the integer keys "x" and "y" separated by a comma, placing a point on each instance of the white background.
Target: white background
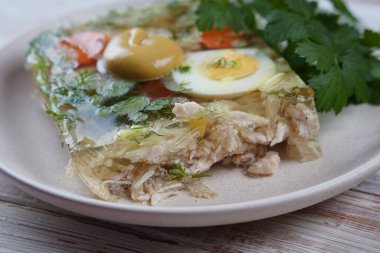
{"x": 19, "y": 16}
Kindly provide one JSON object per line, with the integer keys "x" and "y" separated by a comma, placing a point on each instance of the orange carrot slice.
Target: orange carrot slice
{"x": 224, "y": 38}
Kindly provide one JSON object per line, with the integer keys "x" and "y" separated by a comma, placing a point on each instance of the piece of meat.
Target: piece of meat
{"x": 304, "y": 120}
{"x": 187, "y": 109}
{"x": 244, "y": 160}
{"x": 303, "y": 143}
{"x": 252, "y": 128}
{"x": 233, "y": 133}
{"x": 282, "y": 132}
{"x": 265, "y": 166}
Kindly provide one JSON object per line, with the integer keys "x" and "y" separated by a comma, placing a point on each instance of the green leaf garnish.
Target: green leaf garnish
{"x": 177, "y": 171}
{"x": 113, "y": 87}
{"x": 184, "y": 69}
{"x": 131, "y": 105}
{"x": 158, "y": 104}
{"x": 342, "y": 8}
{"x": 371, "y": 38}
{"x": 336, "y": 58}
{"x": 319, "y": 55}
{"x": 224, "y": 63}
{"x": 145, "y": 136}
{"x": 155, "y": 109}
{"x": 66, "y": 123}
{"x": 221, "y": 13}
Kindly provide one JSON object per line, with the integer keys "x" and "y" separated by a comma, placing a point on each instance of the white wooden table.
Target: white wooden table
{"x": 349, "y": 222}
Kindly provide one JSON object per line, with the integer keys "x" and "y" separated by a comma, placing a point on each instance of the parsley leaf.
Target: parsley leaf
{"x": 371, "y": 38}
{"x": 374, "y": 92}
{"x": 319, "y": 55}
{"x": 302, "y": 7}
{"x": 342, "y": 8}
{"x": 330, "y": 90}
{"x": 375, "y": 69}
{"x": 354, "y": 68}
{"x": 294, "y": 27}
{"x": 221, "y": 13}
{"x": 332, "y": 54}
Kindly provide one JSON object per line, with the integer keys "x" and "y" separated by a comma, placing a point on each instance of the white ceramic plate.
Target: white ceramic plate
{"x": 31, "y": 155}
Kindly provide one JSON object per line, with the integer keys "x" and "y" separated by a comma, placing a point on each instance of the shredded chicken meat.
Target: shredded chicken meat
{"x": 230, "y": 135}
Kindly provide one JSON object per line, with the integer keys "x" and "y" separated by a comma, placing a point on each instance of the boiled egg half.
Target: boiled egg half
{"x": 226, "y": 73}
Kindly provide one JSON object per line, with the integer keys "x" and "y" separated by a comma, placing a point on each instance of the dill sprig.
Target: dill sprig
{"x": 145, "y": 136}
{"x": 176, "y": 171}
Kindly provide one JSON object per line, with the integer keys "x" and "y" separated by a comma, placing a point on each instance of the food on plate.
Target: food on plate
{"x": 148, "y": 100}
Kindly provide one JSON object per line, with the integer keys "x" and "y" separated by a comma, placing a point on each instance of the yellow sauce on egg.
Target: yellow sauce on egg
{"x": 230, "y": 66}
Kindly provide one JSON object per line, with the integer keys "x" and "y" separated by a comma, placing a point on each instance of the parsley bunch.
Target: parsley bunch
{"x": 326, "y": 49}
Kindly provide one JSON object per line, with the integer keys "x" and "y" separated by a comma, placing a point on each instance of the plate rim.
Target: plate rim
{"x": 326, "y": 189}
{"x": 347, "y": 179}
{"x": 202, "y": 216}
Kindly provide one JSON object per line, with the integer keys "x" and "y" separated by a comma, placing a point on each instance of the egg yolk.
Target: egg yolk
{"x": 230, "y": 66}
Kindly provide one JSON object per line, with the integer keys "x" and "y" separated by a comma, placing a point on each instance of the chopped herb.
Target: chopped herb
{"x": 74, "y": 97}
{"x": 183, "y": 86}
{"x": 156, "y": 109}
{"x": 184, "y": 69}
{"x": 145, "y": 136}
{"x": 131, "y": 105}
{"x": 103, "y": 111}
{"x": 177, "y": 171}
{"x": 180, "y": 100}
{"x": 158, "y": 104}
{"x": 65, "y": 122}
{"x": 175, "y": 125}
{"x": 173, "y": 85}
{"x": 112, "y": 87}
{"x": 200, "y": 175}
{"x": 40, "y": 65}
{"x": 137, "y": 117}
{"x": 58, "y": 117}
{"x": 224, "y": 63}
{"x": 96, "y": 100}
{"x": 137, "y": 127}
{"x": 85, "y": 78}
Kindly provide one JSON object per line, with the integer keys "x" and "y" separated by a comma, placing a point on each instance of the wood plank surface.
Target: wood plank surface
{"x": 347, "y": 223}
{"x": 371, "y": 185}
{"x": 341, "y": 224}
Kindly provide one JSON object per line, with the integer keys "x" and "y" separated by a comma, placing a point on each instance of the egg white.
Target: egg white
{"x": 197, "y": 84}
